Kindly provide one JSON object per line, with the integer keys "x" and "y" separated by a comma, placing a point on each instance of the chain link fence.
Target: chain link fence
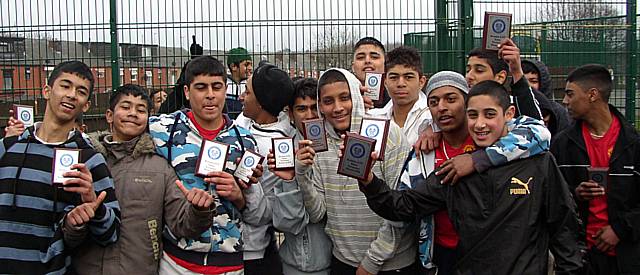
{"x": 147, "y": 42}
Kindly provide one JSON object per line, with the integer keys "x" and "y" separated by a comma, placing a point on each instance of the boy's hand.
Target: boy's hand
{"x": 199, "y": 198}
{"x": 510, "y": 53}
{"x": 80, "y": 182}
{"x": 606, "y": 239}
{"x": 14, "y": 127}
{"x": 427, "y": 141}
{"x": 288, "y": 174}
{"x": 254, "y": 178}
{"x": 456, "y": 168}
{"x": 588, "y": 190}
{"x": 226, "y": 187}
{"x": 83, "y": 213}
{"x": 368, "y": 103}
{"x": 362, "y": 271}
{"x": 305, "y": 154}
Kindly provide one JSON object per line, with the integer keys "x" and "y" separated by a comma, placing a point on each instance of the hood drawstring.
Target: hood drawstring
{"x": 19, "y": 173}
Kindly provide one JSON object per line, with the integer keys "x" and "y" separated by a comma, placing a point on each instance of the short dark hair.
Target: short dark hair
{"x": 406, "y": 56}
{"x": 132, "y": 90}
{"x": 304, "y": 87}
{"x": 330, "y": 77}
{"x": 529, "y": 67}
{"x": 493, "y": 89}
{"x": 593, "y": 76}
{"x": 154, "y": 91}
{"x": 204, "y": 65}
{"x": 72, "y": 67}
{"x": 491, "y": 57}
{"x": 368, "y": 41}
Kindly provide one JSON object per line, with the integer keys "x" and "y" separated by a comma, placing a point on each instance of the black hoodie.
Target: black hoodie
{"x": 560, "y": 119}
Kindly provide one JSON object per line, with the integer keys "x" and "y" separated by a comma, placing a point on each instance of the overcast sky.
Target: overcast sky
{"x": 257, "y": 25}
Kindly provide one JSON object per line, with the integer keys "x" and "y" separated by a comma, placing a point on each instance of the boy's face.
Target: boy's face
{"x": 206, "y": 95}
{"x": 303, "y": 108}
{"x": 244, "y": 69}
{"x": 367, "y": 58}
{"x": 478, "y": 70}
{"x": 128, "y": 119}
{"x": 250, "y": 106}
{"x": 577, "y": 100}
{"x": 446, "y": 105}
{"x": 67, "y": 97}
{"x": 335, "y": 105}
{"x": 404, "y": 85}
{"x": 534, "y": 80}
{"x": 486, "y": 120}
{"x": 158, "y": 99}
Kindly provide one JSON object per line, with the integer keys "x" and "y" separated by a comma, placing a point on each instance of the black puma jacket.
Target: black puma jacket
{"x": 507, "y": 217}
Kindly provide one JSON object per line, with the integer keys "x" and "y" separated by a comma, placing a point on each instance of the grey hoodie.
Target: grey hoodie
{"x": 359, "y": 236}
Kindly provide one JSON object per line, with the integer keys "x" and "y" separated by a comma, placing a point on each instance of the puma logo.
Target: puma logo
{"x": 520, "y": 191}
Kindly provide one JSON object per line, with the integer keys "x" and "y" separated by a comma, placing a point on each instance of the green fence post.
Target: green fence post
{"x": 115, "y": 66}
{"x": 465, "y": 11}
{"x": 442, "y": 37}
{"x": 632, "y": 60}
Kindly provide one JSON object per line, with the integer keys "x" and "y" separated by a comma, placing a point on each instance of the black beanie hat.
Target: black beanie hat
{"x": 273, "y": 88}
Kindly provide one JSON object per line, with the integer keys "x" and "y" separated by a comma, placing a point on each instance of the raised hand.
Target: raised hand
{"x": 83, "y": 213}
{"x": 80, "y": 182}
{"x": 199, "y": 198}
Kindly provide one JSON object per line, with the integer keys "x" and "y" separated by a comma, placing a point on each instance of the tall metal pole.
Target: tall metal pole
{"x": 632, "y": 61}
{"x": 113, "y": 25}
{"x": 442, "y": 37}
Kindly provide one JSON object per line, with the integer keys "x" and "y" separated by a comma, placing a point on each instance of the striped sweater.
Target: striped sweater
{"x": 359, "y": 236}
{"x": 33, "y": 236}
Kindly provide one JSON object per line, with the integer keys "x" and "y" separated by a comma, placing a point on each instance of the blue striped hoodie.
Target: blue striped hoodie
{"x": 33, "y": 236}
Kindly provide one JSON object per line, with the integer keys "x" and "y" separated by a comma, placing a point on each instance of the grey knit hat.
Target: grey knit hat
{"x": 447, "y": 78}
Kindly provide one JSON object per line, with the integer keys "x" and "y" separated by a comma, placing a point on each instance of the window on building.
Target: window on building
{"x": 27, "y": 73}
{"x": 100, "y": 72}
{"x": 7, "y": 79}
{"x": 134, "y": 74}
{"x": 149, "y": 78}
{"x": 5, "y": 47}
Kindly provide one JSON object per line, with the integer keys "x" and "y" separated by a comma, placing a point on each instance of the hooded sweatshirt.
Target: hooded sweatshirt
{"x": 359, "y": 236}
{"x": 559, "y": 115}
{"x": 34, "y": 237}
{"x": 149, "y": 200}
{"x": 257, "y": 235}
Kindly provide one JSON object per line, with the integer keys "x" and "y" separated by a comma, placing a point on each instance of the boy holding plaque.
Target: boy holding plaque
{"x": 362, "y": 241}
{"x": 268, "y": 91}
{"x": 41, "y": 223}
{"x": 178, "y": 137}
{"x": 601, "y": 138}
{"x": 368, "y": 58}
{"x": 404, "y": 81}
{"x": 145, "y": 184}
{"x": 506, "y": 217}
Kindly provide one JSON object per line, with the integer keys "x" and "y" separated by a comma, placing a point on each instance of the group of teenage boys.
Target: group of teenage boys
{"x": 496, "y": 180}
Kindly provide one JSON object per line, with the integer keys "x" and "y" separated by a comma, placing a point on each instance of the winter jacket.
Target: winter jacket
{"x": 257, "y": 236}
{"x": 560, "y": 119}
{"x": 34, "y": 236}
{"x": 149, "y": 201}
{"x": 359, "y": 236}
{"x": 507, "y": 217}
{"x": 178, "y": 140}
{"x": 623, "y": 193}
{"x": 306, "y": 247}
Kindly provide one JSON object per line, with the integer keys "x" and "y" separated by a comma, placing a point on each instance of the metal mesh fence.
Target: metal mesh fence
{"x": 147, "y": 42}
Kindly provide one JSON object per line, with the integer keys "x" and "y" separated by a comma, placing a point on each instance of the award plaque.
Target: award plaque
{"x": 378, "y": 129}
{"x": 63, "y": 159}
{"x": 283, "y": 152}
{"x": 599, "y": 175}
{"x": 356, "y": 158}
{"x": 373, "y": 82}
{"x": 250, "y": 159}
{"x": 497, "y": 27}
{"x": 313, "y": 130}
{"x": 212, "y": 158}
{"x": 23, "y": 113}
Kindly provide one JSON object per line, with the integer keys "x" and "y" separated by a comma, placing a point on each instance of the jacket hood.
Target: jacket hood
{"x": 143, "y": 145}
{"x": 545, "y": 77}
{"x": 357, "y": 111}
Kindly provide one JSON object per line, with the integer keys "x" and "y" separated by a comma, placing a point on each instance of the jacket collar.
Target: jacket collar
{"x": 137, "y": 147}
